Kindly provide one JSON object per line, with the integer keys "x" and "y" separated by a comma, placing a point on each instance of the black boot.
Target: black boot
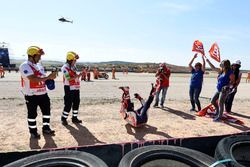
{"x": 64, "y": 121}
{"x": 35, "y": 135}
{"x": 48, "y": 131}
{"x": 76, "y": 120}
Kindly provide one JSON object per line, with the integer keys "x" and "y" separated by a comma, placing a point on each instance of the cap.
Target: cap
{"x": 237, "y": 62}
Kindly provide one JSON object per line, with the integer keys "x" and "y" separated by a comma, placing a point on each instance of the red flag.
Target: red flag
{"x": 215, "y": 52}
{"x": 198, "y": 47}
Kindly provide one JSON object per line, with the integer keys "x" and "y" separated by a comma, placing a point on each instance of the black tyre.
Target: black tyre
{"x": 106, "y": 76}
{"x": 64, "y": 158}
{"x": 236, "y": 148}
{"x": 167, "y": 156}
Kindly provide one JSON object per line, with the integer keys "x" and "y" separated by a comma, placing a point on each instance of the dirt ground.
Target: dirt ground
{"x": 99, "y": 111}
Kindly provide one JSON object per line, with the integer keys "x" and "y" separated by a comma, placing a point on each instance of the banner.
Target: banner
{"x": 198, "y": 47}
{"x": 215, "y": 52}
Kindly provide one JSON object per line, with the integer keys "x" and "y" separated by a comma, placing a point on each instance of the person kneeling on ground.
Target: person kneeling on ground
{"x": 135, "y": 117}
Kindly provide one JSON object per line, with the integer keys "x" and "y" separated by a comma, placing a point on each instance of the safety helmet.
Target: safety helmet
{"x": 72, "y": 56}
{"x": 35, "y": 50}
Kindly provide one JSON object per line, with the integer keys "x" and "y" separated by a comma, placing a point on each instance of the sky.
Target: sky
{"x": 127, "y": 30}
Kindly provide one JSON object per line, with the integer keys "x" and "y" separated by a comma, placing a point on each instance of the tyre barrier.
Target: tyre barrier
{"x": 65, "y": 158}
{"x": 236, "y": 149}
{"x": 167, "y": 156}
{"x": 112, "y": 154}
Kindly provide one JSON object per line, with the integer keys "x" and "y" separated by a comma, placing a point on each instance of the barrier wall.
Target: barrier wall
{"x": 111, "y": 154}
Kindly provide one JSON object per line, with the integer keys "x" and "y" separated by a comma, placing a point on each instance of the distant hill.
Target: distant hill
{"x": 107, "y": 66}
{"x": 116, "y": 62}
{"x": 134, "y": 67}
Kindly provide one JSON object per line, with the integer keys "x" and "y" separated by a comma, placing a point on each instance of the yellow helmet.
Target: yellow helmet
{"x": 35, "y": 50}
{"x": 72, "y": 56}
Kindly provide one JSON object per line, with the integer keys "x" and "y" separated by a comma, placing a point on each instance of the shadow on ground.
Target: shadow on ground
{"x": 140, "y": 132}
{"x": 182, "y": 114}
{"x": 82, "y": 135}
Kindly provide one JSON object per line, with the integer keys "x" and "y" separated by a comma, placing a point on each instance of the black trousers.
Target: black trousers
{"x": 71, "y": 101}
{"x": 143, "y": 117}
{"x": 32, "y": 102}
{"x": 229, "y": 101}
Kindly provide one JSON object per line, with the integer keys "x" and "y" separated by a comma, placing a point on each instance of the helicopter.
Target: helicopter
{"x": 62, "y": 19}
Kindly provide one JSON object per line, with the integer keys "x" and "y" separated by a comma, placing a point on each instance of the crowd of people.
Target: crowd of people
{"x": 228, "y": 79}
{"x": 35, "y": 83}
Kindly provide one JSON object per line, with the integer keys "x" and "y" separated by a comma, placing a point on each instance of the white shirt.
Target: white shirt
{"x": 26, "y": 71}
{"x": 75, "y": 84}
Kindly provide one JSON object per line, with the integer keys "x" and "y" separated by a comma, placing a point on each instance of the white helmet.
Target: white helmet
{"x": 237, "y": 62}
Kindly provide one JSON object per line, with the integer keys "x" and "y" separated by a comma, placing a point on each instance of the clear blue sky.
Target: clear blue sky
{"x": 128, "y": 30}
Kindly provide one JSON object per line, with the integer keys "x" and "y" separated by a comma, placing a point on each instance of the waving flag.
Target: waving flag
{"x": 198, "y": 47}
{"x": 215, "y": 52}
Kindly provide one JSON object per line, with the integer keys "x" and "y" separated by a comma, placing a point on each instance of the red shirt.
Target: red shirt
{"x": 163, "y": 77}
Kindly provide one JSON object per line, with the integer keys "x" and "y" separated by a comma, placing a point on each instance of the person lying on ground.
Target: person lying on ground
{"x": 135, "y": 117}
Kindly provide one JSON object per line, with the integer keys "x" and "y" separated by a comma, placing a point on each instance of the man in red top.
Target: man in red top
{"x": 2, "y": 72}
{"x": 84, "y": 73}
{"x": 113, "y": 72}
{"x": 96, "y": 73}
{"x": 162, "y": 81}
{"x": 88, "y": 73}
